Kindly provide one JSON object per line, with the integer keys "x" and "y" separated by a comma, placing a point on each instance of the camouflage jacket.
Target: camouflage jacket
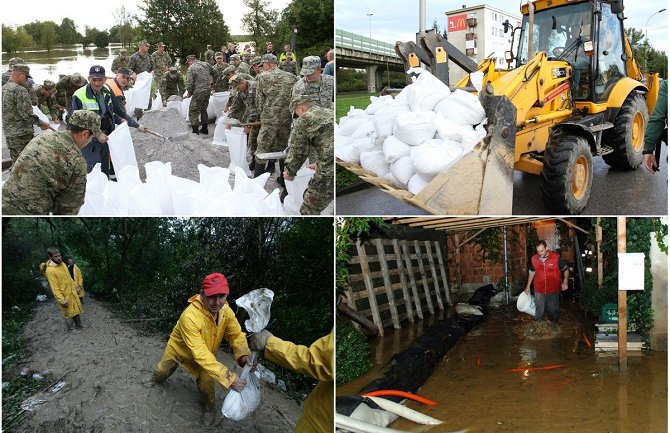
{"x": 244, "y": 68}
{"x": 139, "y": 63}
{"x": 209, "y": 57}
{"x": 119, "y": 62}
{"x": 312, "y": 132}
{"x": 162, "y": 62}
{"x": 321, "y": 93}
{"x": 199, "y": 77}
{"x": 49, "y": 102}
{"x": 273, "y": 95}
{"x": 65, "y": 88}
{"x": 243, "y": 107}
{"x": 172, "y": 84}
{"x": 221, "y": 82}
{"x": 289, "y": 66}
{"x": 5, "y": 77}
{"x": 17, "y": 111}
{"x": 49, "y": 176}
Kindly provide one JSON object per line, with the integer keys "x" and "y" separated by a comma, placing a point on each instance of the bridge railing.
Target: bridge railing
{"x": 352, "y": 41}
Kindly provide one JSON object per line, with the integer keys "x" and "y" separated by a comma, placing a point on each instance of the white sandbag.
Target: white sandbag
{"x": 44, "y": 119}
{"x": 477, "y": 80}
{"x": 296, "y": 189}
{"x": 241, "y": 204}
{"x": 262, "y": 179}
{"x": 218, "y": 188}
{"x": 377, "y": 103}
{"x": 273, "y": 203}
{"x": 143, "y": 200}
{"x": 394, "y": 149}
{"x": 219, "y": 137}
{"x": 426, "y": 79}
{"x": 385, "y": 118}
{"x": 216, "y": 103}
{"x": 462, "y": 108}
{"x": 352, "y": 153}
{"x": 158, "y": 174}
{"x": 403, "y": 170}
{"x": 417, "y": 183}
{"x": 180, "y": 188}
{"x": 415, "y": 128}
{"x": 435, "y": 156}
{"x": 348, "y": 125}
{"x": 238, "y": 405}
{"x": 94, "y": 198}
{"x": 365, "y": 130}
{"x": 140, "y": 95}
{"x": 426, "y": 91}
{"x": 447, "y": 130}
{"x": 129, "y": 174}
{"x": 244, "y": 185}
{"x": 472, "y": 137}
{"x": 374, "y": 161}
{"x": 184, "y": 107}
{"x": 344, "y": 150}
{"x": 257, "y": 304}
{"x": 121, "y": 147}
{"x": 402, "y": 96}
{"x": 157, "y": 102}
{"x": 158, "y": 168}
{"x": 210, "y": 175}
{"x": 389, "y": 176}
{"x": 237, "y": 147}
{"x": 174, "y": 104}
{"x": 117, "y": 199}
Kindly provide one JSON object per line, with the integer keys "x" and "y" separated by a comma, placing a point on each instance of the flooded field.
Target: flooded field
{"x": 584, "y": 392}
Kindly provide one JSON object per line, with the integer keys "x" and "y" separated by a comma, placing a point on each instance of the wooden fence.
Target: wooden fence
{"x": 397, "y": 280}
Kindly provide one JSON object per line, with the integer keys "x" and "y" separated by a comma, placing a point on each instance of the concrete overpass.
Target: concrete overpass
{"x": 361, "y": 52}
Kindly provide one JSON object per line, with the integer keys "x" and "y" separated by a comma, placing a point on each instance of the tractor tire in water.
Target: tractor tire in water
{"x": 626, "y": 138}
{"x": 567, "y": 175}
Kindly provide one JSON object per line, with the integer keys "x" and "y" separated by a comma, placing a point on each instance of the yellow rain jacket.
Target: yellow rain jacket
{"x": 78, "y": 281}
{"x": 316, "y": 361}
{"x": 197, "y": 336}
{"x": 63, "y": 289}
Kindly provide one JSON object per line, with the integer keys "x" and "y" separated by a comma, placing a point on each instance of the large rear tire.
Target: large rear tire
{"x": 626, "y": 138}
{"x": 567, "y": 175}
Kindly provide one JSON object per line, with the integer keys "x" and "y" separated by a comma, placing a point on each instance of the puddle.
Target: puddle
{"x": 585, "y": 393}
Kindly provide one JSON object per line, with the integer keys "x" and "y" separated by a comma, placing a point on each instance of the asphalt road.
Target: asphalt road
{"x": 613, "y": 193}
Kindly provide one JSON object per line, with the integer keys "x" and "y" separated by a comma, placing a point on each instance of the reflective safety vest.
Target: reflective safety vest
{"x": 90, "y": 104}
{"x": 114, "y": 87}
{"x": 547, "y": 277}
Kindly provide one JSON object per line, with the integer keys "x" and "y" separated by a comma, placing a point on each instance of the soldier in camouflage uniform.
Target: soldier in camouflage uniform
{"x": 50, "y": 174}
{"x": 172, "y": 84}
{"x": 221, "y": 83}
{"x": 256, "y": 66}
{"x": 140, "y": 62}
{"x": 312, "y": 83}
{"x": 209, "y": 55}
{"x": 66, "y": 87}
{"x": 312, "y": 131}
{"x": 121, "y": 61}
{"x": 199, "y": 84}
{"x": 8, "y": 73}
{"x": 246, "y": 98}
{"x": 240, "y": 66}
{"x": 288, "y": 64}
{"x": 46, "y": 96}
{"x": 273, "y": 96}
{"x": 239, "y": 110}
{"x": 17, "y": 112}
{"x": 162, "y": 63}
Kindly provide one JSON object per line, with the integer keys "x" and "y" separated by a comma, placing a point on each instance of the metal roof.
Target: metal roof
{"x": 456, "y": 224}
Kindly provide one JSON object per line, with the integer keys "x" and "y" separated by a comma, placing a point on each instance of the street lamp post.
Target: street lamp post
{"x": 370, "y": 29}
{"x": 646, "y": 51}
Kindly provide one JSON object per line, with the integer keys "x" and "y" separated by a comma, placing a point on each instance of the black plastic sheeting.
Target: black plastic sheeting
{"x": 410, "y": 368}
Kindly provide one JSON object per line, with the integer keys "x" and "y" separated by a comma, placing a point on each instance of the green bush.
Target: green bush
{"x": 352, "y": 353}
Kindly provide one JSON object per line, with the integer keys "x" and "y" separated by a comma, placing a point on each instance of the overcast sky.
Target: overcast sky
{"x": 101, "y": 14}
{"x": 399, "y": 19}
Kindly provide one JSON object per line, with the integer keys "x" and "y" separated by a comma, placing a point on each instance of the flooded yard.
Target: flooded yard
{"x": 582, "y": 391}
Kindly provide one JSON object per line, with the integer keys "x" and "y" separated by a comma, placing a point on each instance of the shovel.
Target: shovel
{"x": 273, "y": 155}
{"x": 236, "y": 122}
{"x": 176, "y": 137}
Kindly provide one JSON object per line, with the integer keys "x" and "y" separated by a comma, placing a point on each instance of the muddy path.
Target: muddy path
{"x": 106, "y": 367}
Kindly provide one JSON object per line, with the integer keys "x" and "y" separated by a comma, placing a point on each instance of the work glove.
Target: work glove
{"x": 259, "y": 340}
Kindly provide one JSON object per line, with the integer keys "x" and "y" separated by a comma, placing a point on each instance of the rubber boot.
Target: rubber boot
{"x": 270, "y": 168}
{"x": 208, "y": 417}
{"x": 195, "y": 129}
{"x": 204, "y": 129}
{"x": 69, "y": 324}
{"x": 252, "y": 164}
{"x": 77, "y": 322}
{"x": 258, "y": 170}
{"x": 280, "y": 179}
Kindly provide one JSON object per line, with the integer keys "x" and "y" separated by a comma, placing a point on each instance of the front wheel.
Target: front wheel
{"x": 627, "y": 137}
{"x": 567, "y": 175}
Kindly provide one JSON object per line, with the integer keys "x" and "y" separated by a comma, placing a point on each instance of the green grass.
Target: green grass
{"x": 344, "y": 101}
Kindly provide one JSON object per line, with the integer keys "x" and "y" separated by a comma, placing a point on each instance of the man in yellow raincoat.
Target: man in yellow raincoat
{"x": 196, "y": 338}
{"x": 315, "y": 361}
{"x": 78, "y": 278}
{"x": 63, "y": 288}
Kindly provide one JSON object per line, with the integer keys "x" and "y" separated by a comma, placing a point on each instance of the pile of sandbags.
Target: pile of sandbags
{"x": 413, "y": 137}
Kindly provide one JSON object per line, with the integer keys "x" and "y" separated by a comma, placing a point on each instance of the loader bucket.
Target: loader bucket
{"x": 498, "y": 183}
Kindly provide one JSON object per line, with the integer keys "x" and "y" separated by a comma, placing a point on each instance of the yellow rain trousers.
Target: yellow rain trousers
{"x": 315, "y": 361}
{"x": 63, "y": 289}
{"x": 78, "y": 282}
{"x": 194, "y": 342}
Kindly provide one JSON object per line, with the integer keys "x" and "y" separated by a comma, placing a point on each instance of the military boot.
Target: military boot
{"x": 195, "y": 129}
{"x": 204, "y": 129}
{"x": 252, "y": 164}
{"x": 258, "y": 170}
{"x": 270, "y": 168}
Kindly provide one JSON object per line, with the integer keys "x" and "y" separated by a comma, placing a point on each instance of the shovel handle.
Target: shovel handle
{"x": 156, "y": 134}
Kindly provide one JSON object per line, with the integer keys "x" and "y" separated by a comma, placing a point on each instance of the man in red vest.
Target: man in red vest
{"x": 550, "y": 274}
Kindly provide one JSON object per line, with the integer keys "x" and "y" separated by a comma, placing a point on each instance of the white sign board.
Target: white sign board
{"x": 631, "y": 271}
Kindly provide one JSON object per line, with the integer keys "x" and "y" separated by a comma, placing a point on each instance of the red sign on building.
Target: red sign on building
{"x": 458, "y": 23}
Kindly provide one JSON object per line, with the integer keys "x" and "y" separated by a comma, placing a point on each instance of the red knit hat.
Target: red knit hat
{"x": 215, "y": 284}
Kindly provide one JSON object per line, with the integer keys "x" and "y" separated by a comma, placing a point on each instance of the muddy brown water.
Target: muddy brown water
{"x": 476, "y": 394}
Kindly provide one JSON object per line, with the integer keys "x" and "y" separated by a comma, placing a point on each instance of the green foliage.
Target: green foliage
{"x": 15, "y": 40}
{"x": 344, "y": 102}
{"x": 344, "y": 178}
{"x": 315, "y": 24}
{"x": 352, "y": 353}
{"x": 351, "y": 80}
{"x": 348, "y": 229}
{"x": 187, "y": 27}
{"x": 67, "y": 32}
{"x": 261, "y": 23}
{"x": 638, "y": 240}
{"x": 655, "y": 61}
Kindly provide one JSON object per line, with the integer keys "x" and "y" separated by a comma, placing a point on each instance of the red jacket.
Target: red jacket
{"x": 548, "y": 275}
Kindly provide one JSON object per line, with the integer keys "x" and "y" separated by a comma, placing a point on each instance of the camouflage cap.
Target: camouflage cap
{"x": 49, "y": 85}
{"x": 123, "y": 51}
{"x": 143, "y": 42}
{"x": 172, "y": 69}
{"x": 86, "y": 119}
{"x": 229, "y": 70}
{"x": 310, "y": 64}
{"x": 218, "y": 55}
{"x": 78, "y": 79}
{"x": 20, "y": 67}
{"x": 234, "y": 57}
{"x": 15, "y": 61}
{"x": 256, "y": 61}
{"x": 297, "y": 100}
{"x": 235, "y": 80}
{"x": 160, "y": 44}
{"x": 190, "y": 57}
{"x": 124, "y": 71}
{"x": 269, "y": 58}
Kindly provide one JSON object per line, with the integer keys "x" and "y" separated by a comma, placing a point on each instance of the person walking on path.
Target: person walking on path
{"x": 63, "y": 288}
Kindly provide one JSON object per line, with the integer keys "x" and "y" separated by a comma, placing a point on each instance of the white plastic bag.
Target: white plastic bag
{"x": 374, "y": 161}
{"x": 403, "y": 170}
{"x": 394, "y": 149}
{"x": 216, "y": 103}
{"x": 257, "y": 304}
{"x": 219, "y": 137}
{"x": 435, "y": 156}
{"x": 415, "y": 128}
{"x": 296, "y": 189}
{"x": 140, "y": 95}
{"x": 237, "y": 146}
{"x": 121, "y": 147}
{"x": 417, "y": 183}
{"x": 462, "y": 108}
{"x": 238, "y": 405}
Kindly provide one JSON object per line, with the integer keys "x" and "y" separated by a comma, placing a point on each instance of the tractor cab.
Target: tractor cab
{"x": 587, "y": 35}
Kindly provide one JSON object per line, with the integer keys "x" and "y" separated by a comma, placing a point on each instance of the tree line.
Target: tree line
{"x": 187, "y": 27}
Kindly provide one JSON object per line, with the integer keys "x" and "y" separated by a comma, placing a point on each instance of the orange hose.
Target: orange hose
{"x": 588, "y": 343}
{"x": 397, "y": 393}
{"x": 549, "y": 367}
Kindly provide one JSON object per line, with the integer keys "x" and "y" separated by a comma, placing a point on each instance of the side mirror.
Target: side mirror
{"x": 617, "y": 6}
{"x": 509, "y": 57}
{"x": 506, "y": 26}
{"x": 588, "y": 48}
